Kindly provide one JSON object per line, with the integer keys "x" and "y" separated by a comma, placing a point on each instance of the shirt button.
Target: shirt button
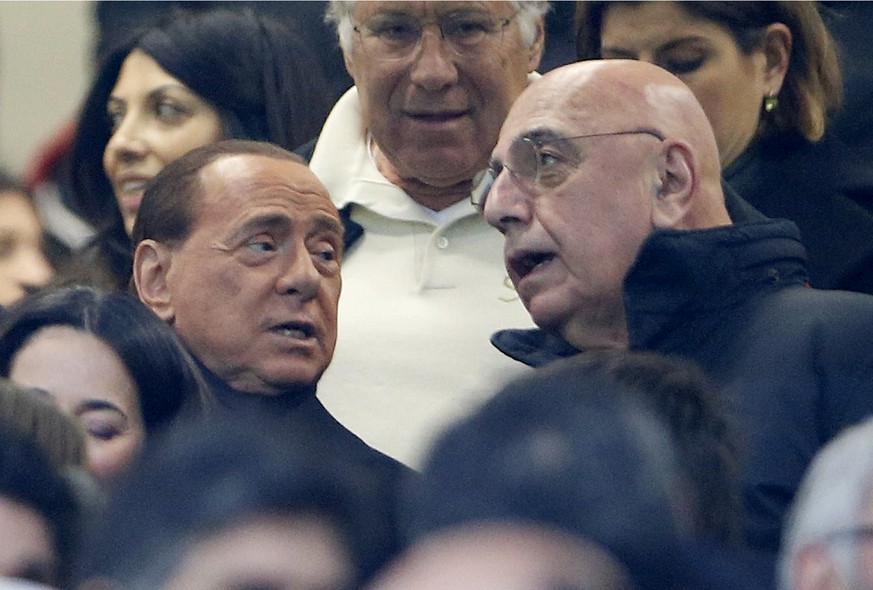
{"x": 442, "y": 242}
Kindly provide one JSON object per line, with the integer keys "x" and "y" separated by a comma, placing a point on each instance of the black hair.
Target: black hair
{"x": 700, "y": 424}
{"x": 563, "y": 448}
{"x": 166, "y": 377}
{"x": 254, "y": 70}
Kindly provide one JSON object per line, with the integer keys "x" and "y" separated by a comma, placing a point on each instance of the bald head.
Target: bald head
{"x": 599, "y": 155}
{"x": 602, "y": 96}
{"x": 627, "y": 93}
{"x": 506, "y": 556}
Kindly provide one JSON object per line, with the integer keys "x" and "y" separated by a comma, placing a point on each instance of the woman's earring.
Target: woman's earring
{"x": 771, "y": 102}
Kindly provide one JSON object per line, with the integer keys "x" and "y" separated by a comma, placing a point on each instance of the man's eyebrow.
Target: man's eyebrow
{"x": 262, "y": 222}
{"x": 328, "y": 223}
{"x": 542, "y": 135}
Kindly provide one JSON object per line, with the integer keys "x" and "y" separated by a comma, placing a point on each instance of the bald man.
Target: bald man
{"x": 605, "y": 183}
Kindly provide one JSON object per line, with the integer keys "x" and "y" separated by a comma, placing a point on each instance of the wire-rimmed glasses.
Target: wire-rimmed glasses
{"x": 396, "y": 36}
{"x": 852, "y": 533}
{"x": 538, "y": 162}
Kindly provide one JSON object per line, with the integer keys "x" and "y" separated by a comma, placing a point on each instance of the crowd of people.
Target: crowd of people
{"x": 497, "y": 317}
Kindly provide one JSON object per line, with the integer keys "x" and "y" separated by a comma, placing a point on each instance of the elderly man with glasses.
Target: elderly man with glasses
{"x": 423, "y": 280}
{"x": 605, "y": 183}
{"x": 828, "y": 540}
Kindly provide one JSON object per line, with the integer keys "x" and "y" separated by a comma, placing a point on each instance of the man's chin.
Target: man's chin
{"x": 275, "y": 383}
{"x": 440, "y": 166}
{"x": 542, "y": 312}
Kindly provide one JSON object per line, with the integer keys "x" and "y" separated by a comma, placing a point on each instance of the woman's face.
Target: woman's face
{"x": 729, "y": 84}
{"x": 88, "y": 381}
{"x": 22, "y": 262}
{"x": 155, "y": 120}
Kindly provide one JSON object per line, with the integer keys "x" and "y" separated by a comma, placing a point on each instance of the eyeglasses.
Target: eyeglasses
{"x": 395, "y": 36}
{"x": 541, "y": 162}
{"x": 865, "y": 531}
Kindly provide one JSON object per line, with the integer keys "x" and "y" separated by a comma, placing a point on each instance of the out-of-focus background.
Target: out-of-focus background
{"x": 45, "y": 64}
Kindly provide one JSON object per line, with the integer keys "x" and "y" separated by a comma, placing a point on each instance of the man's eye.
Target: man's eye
{"x": 396, "y": 31}
{"x": 466, "y": 27}
{"x": 325, "y": 252}
{"x": 327, "y": 255}
{"x": 548, "y": 158}
{"x": 261, "y": 246}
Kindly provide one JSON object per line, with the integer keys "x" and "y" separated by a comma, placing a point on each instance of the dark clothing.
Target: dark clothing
{"x": 304, "y": 405}
{"x": 823, "y": 188}
{"x": 795, "y": 363}
{"x": 850, "y": 23}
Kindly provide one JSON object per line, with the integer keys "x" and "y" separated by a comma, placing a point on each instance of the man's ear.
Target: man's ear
{"x": 535, "y": 51}
{"x": 151, "y": 265}
{"x": 677, "y": 186}
{"x": 776, "y": 46}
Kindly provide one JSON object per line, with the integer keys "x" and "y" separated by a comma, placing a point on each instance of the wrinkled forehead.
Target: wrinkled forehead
{"x": 246, "y": 175}
{"x": 365, "y": 10}
{"x": 233, "y": 185}
{"x": 578, "y": 101}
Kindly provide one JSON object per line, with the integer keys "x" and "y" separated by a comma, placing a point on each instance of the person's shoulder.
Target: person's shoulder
{"x": 846, "y": 314}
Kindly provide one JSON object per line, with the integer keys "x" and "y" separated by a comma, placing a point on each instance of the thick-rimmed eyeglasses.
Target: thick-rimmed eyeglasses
{"x": 396, "y": 36}
{"x": 540, "y": 162}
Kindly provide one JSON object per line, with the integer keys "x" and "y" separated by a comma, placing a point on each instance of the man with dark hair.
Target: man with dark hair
{"x": 605, "y": 183}
{"x": 239, "y": 249}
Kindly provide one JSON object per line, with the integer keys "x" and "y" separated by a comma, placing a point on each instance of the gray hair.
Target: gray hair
{"x": 833, "y": 497}
{"x": 339, "y": 14}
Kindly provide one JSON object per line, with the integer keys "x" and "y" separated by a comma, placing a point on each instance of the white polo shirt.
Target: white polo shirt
{"x": 422, "y": 293}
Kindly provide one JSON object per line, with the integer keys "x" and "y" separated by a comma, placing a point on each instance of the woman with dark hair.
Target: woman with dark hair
{"x": 194, "y": 79}
{"x": 767, "y": 76}
{"x": 107, "y": 360}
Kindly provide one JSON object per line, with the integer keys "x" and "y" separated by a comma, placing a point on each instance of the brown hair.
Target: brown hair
{"x": 167, "y": 211}
{"x": 33, "y": 415}
{"x": 813, "y": 83}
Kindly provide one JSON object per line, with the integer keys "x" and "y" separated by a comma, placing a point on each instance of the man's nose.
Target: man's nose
{"x": 506, "y": 203}
{"x": 300, "y": 276}
{"x": 433, "y": 65}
